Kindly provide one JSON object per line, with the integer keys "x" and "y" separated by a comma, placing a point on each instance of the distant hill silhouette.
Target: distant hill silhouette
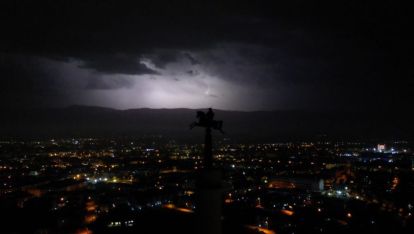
{"x": 252, "y": 126}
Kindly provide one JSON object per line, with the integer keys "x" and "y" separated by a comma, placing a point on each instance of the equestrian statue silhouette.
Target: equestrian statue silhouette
{"x": 206, "y": 120}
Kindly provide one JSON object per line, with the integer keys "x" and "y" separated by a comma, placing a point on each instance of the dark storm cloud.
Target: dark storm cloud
{"x": 18, "y": 73}
{"x": 96, "y": 32}
{"x": 192, "y": 59}
{"x": 32, "y": 81}
{"x": 26, "y": 81}
{"x": 192, "y": 72}
{"x": 109, "y": 83}
{"x": 117, "y": 64}
{"x": 320, "y": 53}
{"x": 161, "y": 58}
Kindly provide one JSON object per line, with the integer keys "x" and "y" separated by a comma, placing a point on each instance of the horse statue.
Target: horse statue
{"x": 206, "y": 120}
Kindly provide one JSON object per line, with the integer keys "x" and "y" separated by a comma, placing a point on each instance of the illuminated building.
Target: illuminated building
{"x": 381, "y": 147}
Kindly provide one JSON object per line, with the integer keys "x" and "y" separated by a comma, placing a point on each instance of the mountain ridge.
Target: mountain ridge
{"x": 254, "y": 125}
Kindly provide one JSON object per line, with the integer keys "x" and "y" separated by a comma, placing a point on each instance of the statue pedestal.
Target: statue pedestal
{"x": 209, "y": 199}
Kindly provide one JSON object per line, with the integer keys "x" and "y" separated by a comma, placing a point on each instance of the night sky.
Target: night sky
{"x": 249, "y": 55}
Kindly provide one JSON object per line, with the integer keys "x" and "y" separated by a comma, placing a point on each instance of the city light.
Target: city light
{"x": 293, "y": 185}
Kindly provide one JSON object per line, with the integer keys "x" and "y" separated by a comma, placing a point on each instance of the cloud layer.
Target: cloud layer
{"x": 252, "y": 56}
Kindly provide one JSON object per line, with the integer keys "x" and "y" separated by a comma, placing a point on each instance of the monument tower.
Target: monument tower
{"x": 209, "y": 186}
